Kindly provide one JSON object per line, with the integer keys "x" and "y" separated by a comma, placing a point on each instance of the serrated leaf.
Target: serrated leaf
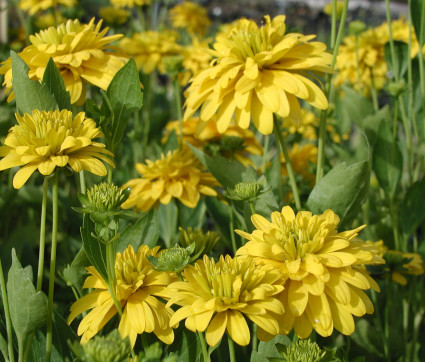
{"x": 228, "y": 173}
{"x": 28, "y": 308}
{"x": 95, "y": 250}
{"x": 418, "y": 20}
{"x": 412, "y": 209}
{"x": 343, "y": 189}
{"x": 387, "y": 160}
{"x": 29, "y": 94}
{"x": 144, "y": 231}
{"x": 399, "y": 66}
{"x": 54, "y": 82}
{"x": 125, "y": 96}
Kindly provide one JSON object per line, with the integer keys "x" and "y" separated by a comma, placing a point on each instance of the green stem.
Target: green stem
{"x": 280, "y": 138}
{"x": 333, "y": 22}
{"x": 265, "y": 151}
{"x": 387, "y": 315}
{"x": 328, "y": 87}
{"x": 110, "y": 171}
{"x": 110, "y": 268}
{"x": 177, "y": 96}
{"x": 359, "y": 82}
{"x": 42, "y": 235}
{"x": 231, "y": 348}
{"x": 231, "y": 226}
{"x": 420, "y": 54}
{"x": 204, "y": 347}
{"x": 251, "y": 206}
{"x": 52, "y": 266}
{"x": 7, "y": 315}
{"x": 83, "y": 182}
{"x": 254, "y": 338}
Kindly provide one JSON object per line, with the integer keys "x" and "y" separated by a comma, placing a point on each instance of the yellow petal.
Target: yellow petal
{"x": 216, "y": 329}
{"x": 237, "y": 328}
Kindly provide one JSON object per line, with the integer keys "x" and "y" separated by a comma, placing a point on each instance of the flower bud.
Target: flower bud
{"x": 174, "y": 259}
{"x": 246, "y": 191}
{"x": 204, "y": 242}
{"x": 305, "y": 351}
{"x": 356, "y": 27}
{"x": 396, "y": 88}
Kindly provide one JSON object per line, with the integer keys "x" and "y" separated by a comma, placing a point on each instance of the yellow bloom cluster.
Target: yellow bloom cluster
{"x": 114, "y": 16}
{"x": 258, "y": 72}
{"x": 149, "y": 48}
{"x": 129, "y": 3}
{"x": 34, "y": 6}
{"x": 191, "y": 16}
{"x": 195, "y": 58}
{"x": 301, "y": 156}
{"x": 325, "y": 279}
{"x": 177, "y": 175}
{"x": 46, "y": 140}
{"x": 80, "y": 51}
{"x": 371, "y": 56}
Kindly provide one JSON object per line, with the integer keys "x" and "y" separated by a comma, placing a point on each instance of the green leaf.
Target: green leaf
{"x": 354, "y": 107}
{"x": 144, "y": 231}
{"x": 54, "y": 81}
{"x": 387, "y": 160}
{"x": 167, "y": 217}
{"x": 418, "y": 20}
{"x": 186, "y": 345}
{"x": 268, "y": 351}
{"x": 399, "y": 67}
{"x": 75, "y": 273}
{"x": 220, "y": 213}
{"x": 412, "y": 209}
{"x": 125, "y": 96}
{"x": 28, "y": 308}
{"x": 38, "y": 350}
{"x": 95, "y": 250}
{"x": 342, "y": 190}
{"x": 4, "y": 348}
{"x": 228, "y": 173}
{"x": 192, "y": 217}
{"x": 29, "y": 94}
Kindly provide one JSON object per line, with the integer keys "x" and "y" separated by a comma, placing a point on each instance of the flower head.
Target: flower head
{"x": 138, "y": 287}
{"x": 190, "y": 16}
{"x": 129, "y": 3}
{"x": 80, "y": 51}
{"x": 34, "y": 6}
{"x": 219, "y": 296}
{"x": 46, "y": 140}
{"x": 325, "y": 283}
{"x": 177, "y": 175}
{"x": 150, "y": 47}
{"x": 114, "y": 16}
{"x": 258, "y": 72}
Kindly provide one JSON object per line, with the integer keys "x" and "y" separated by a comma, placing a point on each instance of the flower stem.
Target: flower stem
{"x": 204, "y": 347}
{"x": 254, "y": 338}
{"x": 232, "y": 226}
{"x": 265, "y": 151}
{"x": 359, "y": 81}
{"x": 52, "y": 266}
{"x": 231, "y": 348}
{"x": 83, "y": 182}
{"x": 251, "y": 206}
{"x": 323, "y": 113}
{"x": 177, "y": 96}
{"x": 387, "y": 315}
{"x": 110, "y": 268}
{"x": 42, "y": 235}
{"x": 7, "y": 315}
{"x": 279, "y": 137}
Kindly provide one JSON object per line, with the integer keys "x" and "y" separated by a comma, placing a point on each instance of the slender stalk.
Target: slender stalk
{"x": 110, "y": 268}
{"x": 265, "y": 151}
{"x": 177, "y": 96}
{"x": 252, "y": 208}
{"x": 280, "y": 138}
{"x": 110, "y": 171}
{"x": 387, "y": 315}
{"x": 254, "y": 337}
{"x": 231, "y": 348}
{"x": 42, "y": 244}
{"x": 232, "y": 227}
{"x": 52, "y": 266}
{"x": 204, "y": 347}
{"x": 359, "y": 82}
{"x": 82, "y": 182}
{"x": 333, "y": 22}
{"x": 7, "y": 315}
{"x": 328, "y": 87}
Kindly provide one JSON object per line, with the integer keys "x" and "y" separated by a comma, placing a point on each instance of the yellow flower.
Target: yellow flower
{"x": 34, "y": 6}
{"x": 328, "y": 9}
{"x": 78, "y": 50}
{"x": 301, "y": 157}
{"x": 219, "y": 296}
{"x": 176, "y": 175}
{"x": 190, "y": 16}
{"x": 196, "y": 58}
{"x": 138, "y": 289}
{"x": 209, "y": 134}
{"x": 129, "y": 3}
{"x": 325, "y": 281}
{"x": 46, "y": 140}
{"x": 150, "y": 47}
{"x": 114, "y": 16}
{"x": 258, "y": 72}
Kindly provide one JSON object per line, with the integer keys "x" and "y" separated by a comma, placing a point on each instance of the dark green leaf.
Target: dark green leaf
{"x": 418, "y": 20}
{"x": 228, "y": 173}
{"x": 125, "y": 95}
{"x": 95, "y": 250}
{"x": 186, "y": 345}
{"x": 144, "y": 231}
{"x": 4, "y": 348}
{"x": 38, "y": 350}
{"x": 387, "y": 160}
{"x": 412, "y": 210}
{"x": 29, "y": 94}
{"x": 342, "y": 190}
{"x": 28, "y": 308}
{"x": 54, "y": 82}
{"x": 220, "y": 213}
{"x": 399, "y": 67}
{"x": 167, "y": 217}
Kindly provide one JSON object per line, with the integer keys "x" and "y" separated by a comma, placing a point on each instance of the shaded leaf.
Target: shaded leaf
{"x": 75, "y": 273}
{"x": 412, "y": 209}
{"x": 418, "y": 19}
{"x": 399, "y": 67}
{"x": 167, "y": 217}
{"x": 54, "y": 82}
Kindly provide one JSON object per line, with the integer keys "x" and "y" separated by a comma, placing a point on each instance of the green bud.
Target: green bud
{"x": 173, "y": 64}
{"x": 397, "y": 88}
{"x": 110, "y": 348}
{"x": 356, "y": 27}
{"x": 306, "y": 351}
{"x": 106, "y": 197}
{"x": 396, "y": 261}
{"x": 174, "y": 259}
{"x": 204, "y": 242}
{"x": 246, "y": 191}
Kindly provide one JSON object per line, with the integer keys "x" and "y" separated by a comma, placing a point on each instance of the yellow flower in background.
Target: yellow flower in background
{"x": 129, "y": 3}
{"x": 34, "y": 6}
{"x": 150, "y": 47}
{"x": 195, "y": 58}
{"x": 301, "y": 157}
{"x": 259, "y": 71}
{"x": 190, "y": 16}
{"x": 81, "y": 53}
{"x": 209, "y": 135}
{"x": 46, "y": 140}
{"x": 328, "y": 9}
{"x": 138, "y": 288}
{"x": 326, "y": 282}
{"x": 47, "y": 20}
{"x": 178, "y": 175}
{"x": 218, "y": 297}
{"x": 114, "y": 16}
